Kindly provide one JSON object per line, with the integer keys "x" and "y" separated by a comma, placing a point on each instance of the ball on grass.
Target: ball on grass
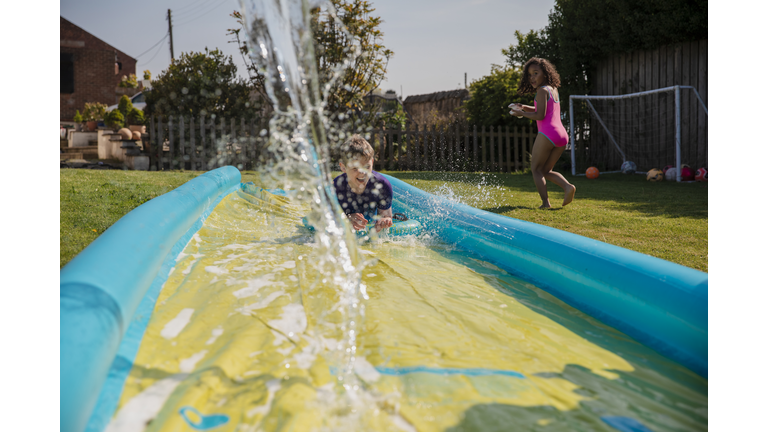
{"x": 655, "y": 175}
{"x": 628, "y": 167}
{"x": 592, "y": 173}
{"x": 686, "y": 173}
{"x": 701, "y": 174}
{"x": 666, "y": 168}
{"x": 671, "y": 174}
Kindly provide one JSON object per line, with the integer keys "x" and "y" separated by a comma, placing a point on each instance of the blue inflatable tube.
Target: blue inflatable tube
{"x": 661, "y": 304}
{"x": 101, "y": 288}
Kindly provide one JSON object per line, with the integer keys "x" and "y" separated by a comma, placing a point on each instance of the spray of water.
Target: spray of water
{"x": 281, "y": 44}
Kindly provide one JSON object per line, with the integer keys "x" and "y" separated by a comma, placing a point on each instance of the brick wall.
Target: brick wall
{"x": 95, "y": 61}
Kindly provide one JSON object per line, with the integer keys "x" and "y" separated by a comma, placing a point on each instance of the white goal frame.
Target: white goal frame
{"x": 676, "y": 89}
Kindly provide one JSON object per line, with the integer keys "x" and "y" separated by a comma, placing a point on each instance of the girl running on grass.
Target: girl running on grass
{"x": 540, "y": 76}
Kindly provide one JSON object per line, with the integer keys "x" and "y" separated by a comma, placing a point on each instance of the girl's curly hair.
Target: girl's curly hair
{"x": 551, "y": 77}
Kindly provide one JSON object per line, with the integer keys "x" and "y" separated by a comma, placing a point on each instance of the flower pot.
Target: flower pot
{"x": 91, "y": 125}
{"x": 138, "y": 128}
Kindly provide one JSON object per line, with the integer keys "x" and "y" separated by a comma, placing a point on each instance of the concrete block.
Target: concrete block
{"x": 105, "y": 144}
{"x": 137, "y": 163}
{"x": 117, "y": 152}
{"x": 64, "y": 156}
{"x": 82, "y": 139}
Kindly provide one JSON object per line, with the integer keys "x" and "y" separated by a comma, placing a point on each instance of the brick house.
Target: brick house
{"x": 90, "y": 70}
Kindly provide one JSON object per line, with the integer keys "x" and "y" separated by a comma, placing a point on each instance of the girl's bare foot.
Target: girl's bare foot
{"x": 545, "y": 206}
{"x": 569, "y": 193}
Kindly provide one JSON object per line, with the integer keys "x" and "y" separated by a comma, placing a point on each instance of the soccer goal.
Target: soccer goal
{"x": 653, "y": 129}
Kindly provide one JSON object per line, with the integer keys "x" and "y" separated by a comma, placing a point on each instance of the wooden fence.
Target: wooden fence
{"x": 682, "y": 64}
{"x": 204, "y": 143}
{"x": 453, "y": 148}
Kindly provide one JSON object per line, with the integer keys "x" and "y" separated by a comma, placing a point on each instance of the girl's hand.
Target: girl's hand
{"x": 517, "y": 109}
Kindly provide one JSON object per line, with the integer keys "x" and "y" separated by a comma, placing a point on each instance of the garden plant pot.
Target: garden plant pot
{"x": 91, "y": 125}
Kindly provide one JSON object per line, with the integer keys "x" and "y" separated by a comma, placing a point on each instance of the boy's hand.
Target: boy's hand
{"x": 358, "y": 220}
{"x": 382, "y": 223}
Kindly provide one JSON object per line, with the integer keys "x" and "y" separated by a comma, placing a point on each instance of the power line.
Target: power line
{"x": 204, "y": 13}
{"x": 158, "y": 50}
{"x": 150, "y": 48}
{"x": 196, "y": 9}
{"x": 181, "y": 8}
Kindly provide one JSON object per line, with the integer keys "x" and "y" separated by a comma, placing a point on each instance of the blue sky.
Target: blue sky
{"x": 435, "y": 41}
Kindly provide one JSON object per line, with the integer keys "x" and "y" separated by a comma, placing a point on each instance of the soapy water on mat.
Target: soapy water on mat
{"x": 246, "y": 329}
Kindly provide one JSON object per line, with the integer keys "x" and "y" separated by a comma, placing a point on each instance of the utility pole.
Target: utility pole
{"x": 465, "y": 78}
{"x": 170, "y": 32}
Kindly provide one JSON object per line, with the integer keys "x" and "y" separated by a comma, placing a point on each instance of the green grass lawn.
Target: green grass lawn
{"x": 666, "y": 220}
{"x": 92, "y": 200}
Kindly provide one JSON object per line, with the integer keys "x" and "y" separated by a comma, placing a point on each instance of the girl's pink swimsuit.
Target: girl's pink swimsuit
{"x": 551, "y": 127}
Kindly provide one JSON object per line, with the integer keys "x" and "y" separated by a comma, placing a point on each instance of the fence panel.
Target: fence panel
{"x": 683, "y": 63}
{"x": 189, "y": 143}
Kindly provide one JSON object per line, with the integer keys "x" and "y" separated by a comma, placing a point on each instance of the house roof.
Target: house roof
{"x": 431, "y": 97}
{"x": 73, "y": 36}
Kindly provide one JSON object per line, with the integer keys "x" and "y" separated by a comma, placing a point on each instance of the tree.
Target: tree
{"x": 531, "y": 44}
{"x": 367, "y": 69}
{"x": 581, "y": 33}
{"x": 203, "y": 83}
{"x": 491, "y": 96}
{"x": 361, "y": 74}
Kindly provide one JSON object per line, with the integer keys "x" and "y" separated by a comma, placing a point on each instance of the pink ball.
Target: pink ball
{"x": 686, "y": 173}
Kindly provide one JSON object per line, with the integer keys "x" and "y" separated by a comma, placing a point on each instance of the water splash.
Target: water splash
{"x": 281, "y": 45}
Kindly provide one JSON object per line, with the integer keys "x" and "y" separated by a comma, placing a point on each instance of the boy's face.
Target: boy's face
{"x": 358, "y": 172}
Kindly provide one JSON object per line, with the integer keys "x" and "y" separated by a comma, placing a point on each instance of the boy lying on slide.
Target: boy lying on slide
{"x": 363, "y": 193}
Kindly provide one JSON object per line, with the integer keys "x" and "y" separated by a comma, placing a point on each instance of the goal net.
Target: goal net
{"x": 653, "y": 129}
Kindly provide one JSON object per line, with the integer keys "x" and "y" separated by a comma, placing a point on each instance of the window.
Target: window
{"x": 138, "y": 98}
{"x": 67, "y": 73}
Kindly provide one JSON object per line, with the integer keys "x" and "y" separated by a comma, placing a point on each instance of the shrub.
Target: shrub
{"x": 135, "y": 117}
{"x": 78, "y": 118}
{"x": 491, "y": 96}
{"x": 200, "y": 84}
{"x": 125, "y": 105}
{"x": 115, "y": 120}
{"x": 94, "y": 111}
{"x": 147, "y": 75}
{"x": 129, "y": 81}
